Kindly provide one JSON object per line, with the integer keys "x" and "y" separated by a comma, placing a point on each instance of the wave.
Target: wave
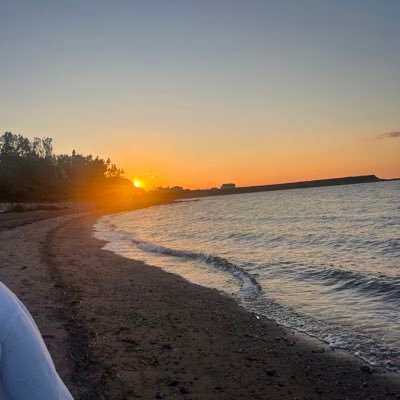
{"x": 368, "y": 284}
{"x": 363, "y": 346}
{"x": 249, "y": 283}
{"x": 386, "y": 287}
{"x": 250, "y": 287}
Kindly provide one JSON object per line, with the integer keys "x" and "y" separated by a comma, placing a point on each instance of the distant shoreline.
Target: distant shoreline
{"x": 350, "y": 180}
{"x": 165, "y": 196}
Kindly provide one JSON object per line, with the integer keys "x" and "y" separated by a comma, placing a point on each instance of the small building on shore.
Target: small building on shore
{"x": 228, "y": 186}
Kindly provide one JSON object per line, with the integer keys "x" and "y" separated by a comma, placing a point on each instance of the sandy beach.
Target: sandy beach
{"x": 119, "y": 329}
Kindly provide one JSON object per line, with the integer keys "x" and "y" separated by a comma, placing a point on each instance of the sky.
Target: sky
{"x": 200, "y": 93}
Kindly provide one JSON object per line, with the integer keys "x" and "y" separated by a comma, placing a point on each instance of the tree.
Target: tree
{"x": 30, "y": 171}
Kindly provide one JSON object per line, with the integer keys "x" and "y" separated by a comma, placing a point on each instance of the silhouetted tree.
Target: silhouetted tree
{"x": 30, "y": 171}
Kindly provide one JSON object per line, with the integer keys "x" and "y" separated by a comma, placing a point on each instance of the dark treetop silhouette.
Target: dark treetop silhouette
{"x": 29, "y": 171}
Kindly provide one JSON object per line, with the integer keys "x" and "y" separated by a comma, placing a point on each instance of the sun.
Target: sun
{"x": 137, "y": 183}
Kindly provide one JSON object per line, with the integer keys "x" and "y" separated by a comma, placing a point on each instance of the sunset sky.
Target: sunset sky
{"x": 198, "y": 93}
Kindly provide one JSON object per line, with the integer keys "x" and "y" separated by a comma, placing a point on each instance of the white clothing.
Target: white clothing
{"x": 27, "y": 371}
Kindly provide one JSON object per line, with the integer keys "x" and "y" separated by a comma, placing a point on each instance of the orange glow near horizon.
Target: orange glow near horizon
{"x": 263, "y": 164}
{"x": 200, "y": 154}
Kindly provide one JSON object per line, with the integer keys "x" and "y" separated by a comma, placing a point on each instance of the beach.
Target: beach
{"x": 119, "y": 329}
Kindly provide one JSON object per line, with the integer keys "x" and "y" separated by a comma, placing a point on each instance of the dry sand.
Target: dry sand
{"x": 118, "y": 329}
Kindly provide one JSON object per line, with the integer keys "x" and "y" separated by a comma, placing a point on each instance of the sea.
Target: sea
{"x": 324, "y": 261}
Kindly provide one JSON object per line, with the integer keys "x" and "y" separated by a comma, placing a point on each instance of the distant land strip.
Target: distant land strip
{"x": 350, "y": 180}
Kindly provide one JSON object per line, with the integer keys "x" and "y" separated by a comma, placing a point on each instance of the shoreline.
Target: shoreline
{"x": 119, "y": 329}
{"x": 385, "y": 364}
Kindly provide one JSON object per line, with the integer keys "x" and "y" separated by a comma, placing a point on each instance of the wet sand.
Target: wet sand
{"x": 118, "y": 329}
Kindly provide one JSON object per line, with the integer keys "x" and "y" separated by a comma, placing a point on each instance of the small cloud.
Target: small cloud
{"x": 389, "y": 135}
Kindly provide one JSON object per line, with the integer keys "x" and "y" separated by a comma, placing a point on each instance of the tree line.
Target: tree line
{"x": 30, "y": 171}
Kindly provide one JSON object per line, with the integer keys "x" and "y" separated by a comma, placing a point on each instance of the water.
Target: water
{"x": 325, "y": 261}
